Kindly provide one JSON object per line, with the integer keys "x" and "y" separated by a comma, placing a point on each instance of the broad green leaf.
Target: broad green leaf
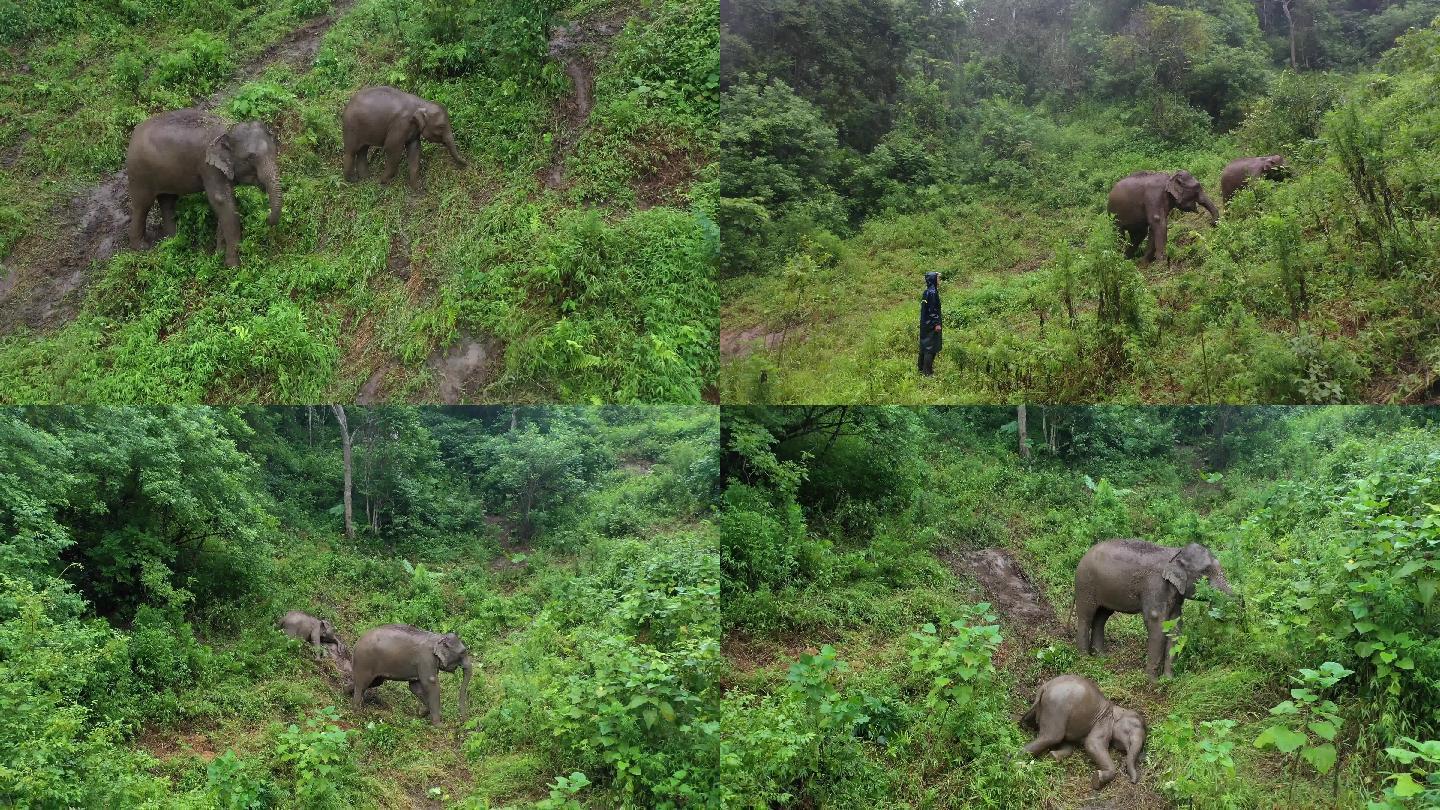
{"x": 1283, "y": 739}
{"x": 1321, "y": 756}
{"x": 1405, "y": 786}
{"x": 1323, "y": 729}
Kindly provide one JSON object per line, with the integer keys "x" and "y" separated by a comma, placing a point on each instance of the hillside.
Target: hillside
{"x": 896, "y": 583}
{"x": 981, "y": 142}
{"x": 145, "y": 555}
{"x": 570, "y": 261}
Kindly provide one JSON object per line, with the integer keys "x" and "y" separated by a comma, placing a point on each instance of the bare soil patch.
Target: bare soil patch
{"x": 577, "y": 47}
{"x": 736, "y": 344}
{"x": 463, "y": 368}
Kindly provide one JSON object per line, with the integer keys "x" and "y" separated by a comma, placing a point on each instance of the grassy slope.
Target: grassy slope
{"x": 982, "y": 497}
{"x": 851, "y": 325}
{"x": 578, "y": 293}
{"x": 480, "y": 590}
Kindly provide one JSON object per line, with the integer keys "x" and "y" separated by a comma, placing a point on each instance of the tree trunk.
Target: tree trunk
{"x": 514, "y": 418}
{"x": 345, "y": 442}
{"x": 1290, "y": 23}
{"x": 1024, "y": 440}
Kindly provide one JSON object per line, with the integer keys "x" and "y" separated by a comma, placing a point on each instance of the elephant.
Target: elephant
{"x": 1133, "y": 576}
{"x": 1239, "y": 171}
{"x": 400, "y": 652}
{"x": 398, "y": 122}
{"x": 190, "y": 150}
{"x": 1070, "y": 710}
{"x": 318, "y": 632}
{"x": 1141, "y": 204}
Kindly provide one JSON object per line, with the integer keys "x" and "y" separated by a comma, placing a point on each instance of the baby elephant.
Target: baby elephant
{"x": 318, "y": 632}
{"x": 1070, "y": 710}
{"x": 397, "y": 121}
{"x": 1239, "y": 171}
{"x": 399, "y": 652}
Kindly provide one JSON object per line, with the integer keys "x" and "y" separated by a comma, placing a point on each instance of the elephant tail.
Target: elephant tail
{"x": 1028, "y": 721}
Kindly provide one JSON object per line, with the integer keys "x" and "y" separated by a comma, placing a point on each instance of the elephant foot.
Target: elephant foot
{"x": 1100, "y": 780}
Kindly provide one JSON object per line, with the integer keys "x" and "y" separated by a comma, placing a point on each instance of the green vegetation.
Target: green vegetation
{"x": 600, "y": 288}
{"x": 146, "y": 553}
{"x": 865, "y": 142}
{"x": 864, "y": 664}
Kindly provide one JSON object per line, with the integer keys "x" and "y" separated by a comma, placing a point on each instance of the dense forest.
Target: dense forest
{"x": 570, "y": 261}
{"x": 867, "y": 142}
{"x": 895, "y": 584}
{"x": 146, "y": 553}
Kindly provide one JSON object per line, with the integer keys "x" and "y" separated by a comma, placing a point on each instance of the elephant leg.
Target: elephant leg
{"x": 1063, "y": 750}
{"x": 395, "y": 144}
{"x": 1155, "y": 649}
{"x": 418, "y": 690}
{"x": 1170, "y": 648}
{"x": 1098, "y": 747}
{"x": 140, "y": 202}
{"x": 1159, "y": 228}
{"x": 413, "y": 150}
{"x": 1084, "y": 619}
{"x": 1136, "y": 236}
{"x": 1050, "y": 731}
{"x": 359, "y": 679}
{"x": 167, "y": 214}
{"x": 362, "y": 162}
{"x": 431, "y": 685}
{"x": 1097, "y": 631}
{"x": 227, "y": 226}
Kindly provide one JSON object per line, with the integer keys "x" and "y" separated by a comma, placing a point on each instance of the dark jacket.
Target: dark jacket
{"x": 930, "y": 305}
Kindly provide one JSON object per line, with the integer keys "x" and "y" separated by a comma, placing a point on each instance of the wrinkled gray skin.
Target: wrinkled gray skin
{"x": 397, "y": 122}
{"x": 1070, "y": 710}
{"x": 1133, "y": 576}
{"x": 318, "y": 632}
{"x": 399, "y": 652}
{"x": 1141, "y": 204}
{"x": 1239, "y": 171}
{"x": 185, "y": 151}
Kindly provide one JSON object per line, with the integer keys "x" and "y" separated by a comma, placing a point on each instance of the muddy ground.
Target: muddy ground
{"x": 577, "y": 47}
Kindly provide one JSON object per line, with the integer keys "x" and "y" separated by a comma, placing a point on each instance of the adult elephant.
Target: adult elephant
{"x": 1133, "y": 576}
{"x": 1239, "y": 171}
{"x": 190, "y": 150}
{"x": 396, "y": 121}
{"x": 400, "y": 652}
{"x": 1141, "y": 204}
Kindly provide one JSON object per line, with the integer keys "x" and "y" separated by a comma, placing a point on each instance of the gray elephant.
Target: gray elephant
{"x": 399, "y": 652}
{"x": 1133, "y": 576}
{"x": 1070, "y": 710}
{"x": 1239, "y": 171}
{"x": 396, "y": 121}
{"x": 191, "y": 150}
{"x": 318, "y": 632}
{"x": 1141, "y": 204}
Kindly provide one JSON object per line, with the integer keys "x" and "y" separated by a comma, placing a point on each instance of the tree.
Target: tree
{"x": 1020, "y": 429}
{"x": 346, "y": 441}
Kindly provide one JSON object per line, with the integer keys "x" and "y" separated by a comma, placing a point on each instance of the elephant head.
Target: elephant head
{"x": 247, "y": 154}
{"x": 1189, "y": 564}
{"x": 450, "y": 651}
{"x": 1128, "y": 733}
{"x": 1274, "y": 166}
{"x": 432, "y": 123}
{"x": 327, "y": 632}
{"x": 1185, "y": 193}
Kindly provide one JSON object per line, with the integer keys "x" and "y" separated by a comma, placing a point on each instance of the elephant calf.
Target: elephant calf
{"x": 1133, "y": 576}
{"x": 1141, "y": 204}
{"x": 185, "y": 151}
{"x": 1071, "y": 710}
{"x": 400, "y": 652}
{"x": 1239, "y": 171}
{"x": 398, "y": 122}
{"x": 318, "y": 632}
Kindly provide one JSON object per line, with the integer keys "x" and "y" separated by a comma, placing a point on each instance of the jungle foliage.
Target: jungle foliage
{"x": 867, "y": 142}
{"x": 865, "y": 665}
{"x": 145, "y": 554}
{"x": 598, "y": 289}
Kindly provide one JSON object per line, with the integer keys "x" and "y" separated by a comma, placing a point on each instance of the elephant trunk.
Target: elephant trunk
{"x": 270, "y": 181}
{"x": 464, "y": 686}
{"x": 454, "y": 153}
{"x": 1218, "y": 581}
{"x": 1209, "y": 206}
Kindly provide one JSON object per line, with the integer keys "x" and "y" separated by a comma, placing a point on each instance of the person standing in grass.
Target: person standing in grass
{"x": 930, "y": 323}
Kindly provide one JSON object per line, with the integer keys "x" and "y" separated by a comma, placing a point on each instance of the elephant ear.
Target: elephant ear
{"x": 221, "y": 156}
{"x": 1175, "y": 574}
{"x": 1175, "y": 187}
{"x": 421, "y": 117}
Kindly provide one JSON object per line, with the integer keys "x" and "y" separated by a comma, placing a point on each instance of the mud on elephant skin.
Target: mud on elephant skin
{"x": 1133, "y": 576}
{"x": 1070, "y": 711}
{"x": 191, "y": 150}
{"x": 1141, "y": 204}
{"x": 397, "y": 122}
{"x": 400, "y": 652}
{"x": 1239, "y": 171}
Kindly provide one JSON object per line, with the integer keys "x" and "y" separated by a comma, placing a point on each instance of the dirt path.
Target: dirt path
{"x": 577, "y": 47}
{"x": 50, "y": 268}
{"x": 1032, "y": 623}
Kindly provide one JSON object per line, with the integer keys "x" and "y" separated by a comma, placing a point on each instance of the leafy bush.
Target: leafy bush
{"x": 317, "y": 757}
